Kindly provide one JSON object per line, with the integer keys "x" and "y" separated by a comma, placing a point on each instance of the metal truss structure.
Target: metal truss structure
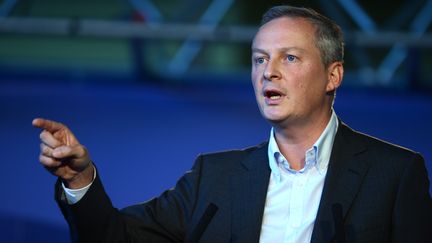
{"x": 366, "y": 33}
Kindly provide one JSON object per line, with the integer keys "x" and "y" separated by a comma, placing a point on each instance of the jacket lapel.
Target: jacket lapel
{"x": 344, "y": 177}
{"x": 249, "y": 189}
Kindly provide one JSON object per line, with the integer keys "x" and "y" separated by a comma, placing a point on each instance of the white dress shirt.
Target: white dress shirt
{"x": 293, "y": 196}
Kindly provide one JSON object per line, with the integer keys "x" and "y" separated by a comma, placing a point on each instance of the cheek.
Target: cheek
{"x": 311, "y": 77}
{"x": 303, "y": 85}
{"x": 255, "y": 78}
{"x": 254, "y": 84}
{"x": 254, "y": 73}
{"x": 296, "y": 79}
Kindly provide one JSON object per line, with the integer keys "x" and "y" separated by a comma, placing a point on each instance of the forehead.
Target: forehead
{"x": 284, "y": 31}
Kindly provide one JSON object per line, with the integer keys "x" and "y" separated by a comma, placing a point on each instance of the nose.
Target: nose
{"x": 272, "y": 71}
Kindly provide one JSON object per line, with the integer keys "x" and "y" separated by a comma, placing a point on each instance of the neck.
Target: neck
{"x": 295, "y": 139}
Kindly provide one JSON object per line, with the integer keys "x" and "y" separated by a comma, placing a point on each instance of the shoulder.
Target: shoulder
{"x": 376, "y": 144}
{"x": 376, "y": 150}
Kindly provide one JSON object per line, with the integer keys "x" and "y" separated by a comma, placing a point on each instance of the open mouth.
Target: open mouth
{"x": 273, "y": 94}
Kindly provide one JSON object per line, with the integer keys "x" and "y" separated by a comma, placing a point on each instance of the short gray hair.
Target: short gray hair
{"x": 329, "y": 36}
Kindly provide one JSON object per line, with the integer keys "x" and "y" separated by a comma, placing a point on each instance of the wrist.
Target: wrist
{"x": 82, "y": 179}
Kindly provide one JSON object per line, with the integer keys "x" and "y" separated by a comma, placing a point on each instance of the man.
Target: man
{"x": 315, "y": 180}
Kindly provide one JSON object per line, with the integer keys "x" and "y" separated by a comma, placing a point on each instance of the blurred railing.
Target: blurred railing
{"x": 160, "y": 31}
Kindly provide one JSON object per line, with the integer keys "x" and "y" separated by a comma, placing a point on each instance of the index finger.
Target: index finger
{"x": 48, "y": 125}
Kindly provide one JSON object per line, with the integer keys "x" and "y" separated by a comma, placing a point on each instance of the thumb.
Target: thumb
{"x": 62, "y": 152}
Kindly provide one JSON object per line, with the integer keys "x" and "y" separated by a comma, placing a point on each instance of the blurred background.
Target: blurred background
{"x": 148, "y": 85}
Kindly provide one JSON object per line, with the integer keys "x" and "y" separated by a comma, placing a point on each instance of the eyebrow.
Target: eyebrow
{"x": 283, "y": 49}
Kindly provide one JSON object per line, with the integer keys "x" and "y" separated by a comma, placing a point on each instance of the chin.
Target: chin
{"x": 274, "y": 114}
{"x": 275, "y": 118}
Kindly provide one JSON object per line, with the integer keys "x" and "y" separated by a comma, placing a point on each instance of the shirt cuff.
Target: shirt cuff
{"x": 74, "y": 195}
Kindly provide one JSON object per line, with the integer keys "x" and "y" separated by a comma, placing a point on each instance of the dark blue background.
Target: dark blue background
{"x": 143, "y": 137}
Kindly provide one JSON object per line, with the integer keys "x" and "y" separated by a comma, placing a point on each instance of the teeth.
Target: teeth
{"x": 275, "y": 97}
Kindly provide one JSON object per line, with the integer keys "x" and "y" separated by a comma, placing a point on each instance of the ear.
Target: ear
{"x": 334, "y": 76}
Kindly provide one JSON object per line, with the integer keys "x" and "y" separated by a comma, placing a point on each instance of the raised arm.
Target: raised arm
{"x": 93, "y": 218}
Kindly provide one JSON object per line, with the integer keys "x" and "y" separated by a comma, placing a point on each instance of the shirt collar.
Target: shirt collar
{"x": 318, "y": 155}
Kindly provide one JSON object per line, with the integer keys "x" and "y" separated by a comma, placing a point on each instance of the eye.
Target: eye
{"x": 259, "y": 60}
{"x": 291, "y": 58}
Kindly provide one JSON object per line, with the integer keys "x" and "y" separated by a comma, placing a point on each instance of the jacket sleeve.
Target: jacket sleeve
{"x": 162, "y": 219}
{"x": 413, "y": 206}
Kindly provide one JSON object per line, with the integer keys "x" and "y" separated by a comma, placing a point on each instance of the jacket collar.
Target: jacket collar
{"x": 249, "y": 189}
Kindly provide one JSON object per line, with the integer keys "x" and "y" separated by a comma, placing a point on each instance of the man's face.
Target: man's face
{"x": 289, "y": 78}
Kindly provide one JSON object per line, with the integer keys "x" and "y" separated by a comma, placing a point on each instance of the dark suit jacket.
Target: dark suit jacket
{"x": 383, "y": 191}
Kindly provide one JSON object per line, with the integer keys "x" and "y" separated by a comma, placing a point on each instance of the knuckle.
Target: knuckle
{"x": 47, "y": 161}
{"x": 81, "y": 151}
{"x": 42, "y": 135}
{"x": 61, "y": 152}
{"x": 58, "y": 153}
{"x": 44, "y": 160}
{"x": 64, "y": 150}
{"x": 44, "y": 150}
